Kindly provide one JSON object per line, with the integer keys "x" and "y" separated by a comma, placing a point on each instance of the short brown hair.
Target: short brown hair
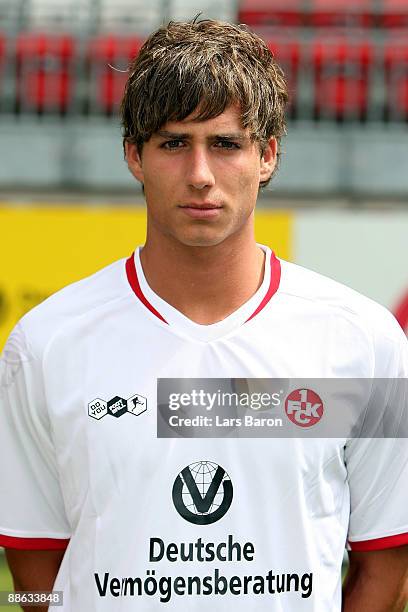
{"x": 204, "y": 66}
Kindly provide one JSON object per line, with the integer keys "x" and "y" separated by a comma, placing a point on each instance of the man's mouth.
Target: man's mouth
{"x": 202, "y": 210}
{"x": 201, "y": 205}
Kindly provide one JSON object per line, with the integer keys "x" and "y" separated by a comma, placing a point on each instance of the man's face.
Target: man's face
{"x": 201, "y": 179}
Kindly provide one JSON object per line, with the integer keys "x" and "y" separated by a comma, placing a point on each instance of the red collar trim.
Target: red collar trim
{"x": 273, "y": 285}
{"x": 134, "y": 283}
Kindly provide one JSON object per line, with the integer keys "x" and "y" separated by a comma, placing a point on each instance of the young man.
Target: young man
{"x": 94, "y": 496}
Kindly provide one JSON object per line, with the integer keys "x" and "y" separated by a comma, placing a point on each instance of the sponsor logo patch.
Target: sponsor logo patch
{"x": 117, "y": 406}
{"x": 202, "y": 492}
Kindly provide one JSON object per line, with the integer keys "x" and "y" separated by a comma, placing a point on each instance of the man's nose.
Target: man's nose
{"x": 199, "y": 173}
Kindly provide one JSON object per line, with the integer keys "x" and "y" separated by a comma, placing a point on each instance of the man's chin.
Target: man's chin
{"x": 202, "y": 240}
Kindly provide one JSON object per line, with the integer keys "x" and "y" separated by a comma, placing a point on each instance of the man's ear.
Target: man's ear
{"x": 268, "y": 160}
{"x": 134, "y": 161}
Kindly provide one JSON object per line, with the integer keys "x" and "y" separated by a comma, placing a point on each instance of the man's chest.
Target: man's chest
{"x": 103, "y": 394}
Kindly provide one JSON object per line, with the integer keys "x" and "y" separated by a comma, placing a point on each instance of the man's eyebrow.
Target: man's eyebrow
{"x": 237, "y": 136}
{"x": 166, "y": 134}
{"x": 185, "y": 136}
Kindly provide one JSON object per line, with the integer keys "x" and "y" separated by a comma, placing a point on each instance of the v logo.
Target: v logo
{"x": 185, "y": 490}
{"x": 203, "y": 503}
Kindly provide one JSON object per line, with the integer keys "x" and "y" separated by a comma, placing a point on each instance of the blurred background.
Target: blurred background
{"x": 68, "y": 206}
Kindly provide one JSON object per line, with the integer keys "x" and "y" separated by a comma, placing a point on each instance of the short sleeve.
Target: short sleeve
{"x": 378, "y": 467}
{"x": 32, "y": 512}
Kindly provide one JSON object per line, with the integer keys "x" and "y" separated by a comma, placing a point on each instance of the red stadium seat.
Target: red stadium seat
{"x": 271, "y": 12}
{"x": 109, "y": 57}
{"x": 325, "y": 13}
{"x": 2, "y": 54}
{"x": 341, "y": 68}
{"x": 2, "y": 66}
{"x": 396, "y": 76}
{"x": 44, "y": 71}
{"x": 394, "y": 13}
{"x": 287, "y": 52}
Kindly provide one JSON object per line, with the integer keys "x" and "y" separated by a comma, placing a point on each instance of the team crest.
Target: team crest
{"x": 304, "y": 407}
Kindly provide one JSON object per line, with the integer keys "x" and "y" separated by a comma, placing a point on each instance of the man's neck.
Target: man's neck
{"x": 206, "y": 284}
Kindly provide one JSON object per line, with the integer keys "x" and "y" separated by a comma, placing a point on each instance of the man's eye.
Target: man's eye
{"x": 170, "y": 144}
{"x": 230, "y": 145}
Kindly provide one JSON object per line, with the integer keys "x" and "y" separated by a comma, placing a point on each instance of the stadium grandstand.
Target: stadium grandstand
{"x": 345, "y": 60}
{"x": 64, "y": 62}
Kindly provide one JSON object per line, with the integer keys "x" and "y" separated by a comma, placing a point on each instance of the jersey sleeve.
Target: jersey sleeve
{"x": 377, "y": 467}
{"x": 32, "y": 512}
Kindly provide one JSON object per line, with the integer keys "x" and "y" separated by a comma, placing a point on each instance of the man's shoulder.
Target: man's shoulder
{"x": 90, "y": 294}
{"x": 337, "y": 299}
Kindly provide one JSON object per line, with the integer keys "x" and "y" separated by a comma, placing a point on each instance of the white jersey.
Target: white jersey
{"x": 152, "y": 523}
